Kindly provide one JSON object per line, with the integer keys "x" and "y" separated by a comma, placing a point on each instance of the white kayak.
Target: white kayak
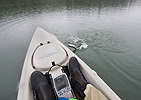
{"x": 43, "y": 50}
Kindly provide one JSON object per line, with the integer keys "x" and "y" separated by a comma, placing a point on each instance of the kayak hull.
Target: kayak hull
{"x": 41, "y": 36}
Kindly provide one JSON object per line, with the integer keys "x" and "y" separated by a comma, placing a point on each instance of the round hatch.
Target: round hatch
{"x": 45, "y": 54}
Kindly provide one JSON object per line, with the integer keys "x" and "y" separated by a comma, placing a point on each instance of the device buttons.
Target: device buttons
{"x": 60, "y": 93}
{"x": 64, "y": 91}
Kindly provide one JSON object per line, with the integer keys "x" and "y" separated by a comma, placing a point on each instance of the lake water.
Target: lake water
{"x": 107, "y": 33}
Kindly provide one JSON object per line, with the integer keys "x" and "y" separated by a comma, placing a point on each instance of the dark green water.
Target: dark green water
{"x": 107, "y": 33}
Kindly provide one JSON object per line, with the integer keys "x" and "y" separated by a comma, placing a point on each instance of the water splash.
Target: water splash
{"x": 83, "y": 46}
{"x": 100, "y": 39}
{"x": 80, "y": 43}
{"x": 75, "y": 39}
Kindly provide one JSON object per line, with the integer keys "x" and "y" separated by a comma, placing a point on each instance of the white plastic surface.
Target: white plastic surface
{"x": 46, "y": 54}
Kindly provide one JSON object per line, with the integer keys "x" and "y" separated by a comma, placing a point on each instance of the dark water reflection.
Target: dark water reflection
{"x": 107, "y": 33}
{"x": 14, "y": 7}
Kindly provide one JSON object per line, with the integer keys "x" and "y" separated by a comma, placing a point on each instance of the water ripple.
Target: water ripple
{"x": 107, "y": 41}
{"x": 100, "y": 40}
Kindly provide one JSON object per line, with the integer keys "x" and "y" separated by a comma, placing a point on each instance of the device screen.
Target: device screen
{"x": 60, "y": 83}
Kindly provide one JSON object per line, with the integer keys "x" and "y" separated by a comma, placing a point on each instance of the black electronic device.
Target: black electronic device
{"x": 61, "y": 84}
